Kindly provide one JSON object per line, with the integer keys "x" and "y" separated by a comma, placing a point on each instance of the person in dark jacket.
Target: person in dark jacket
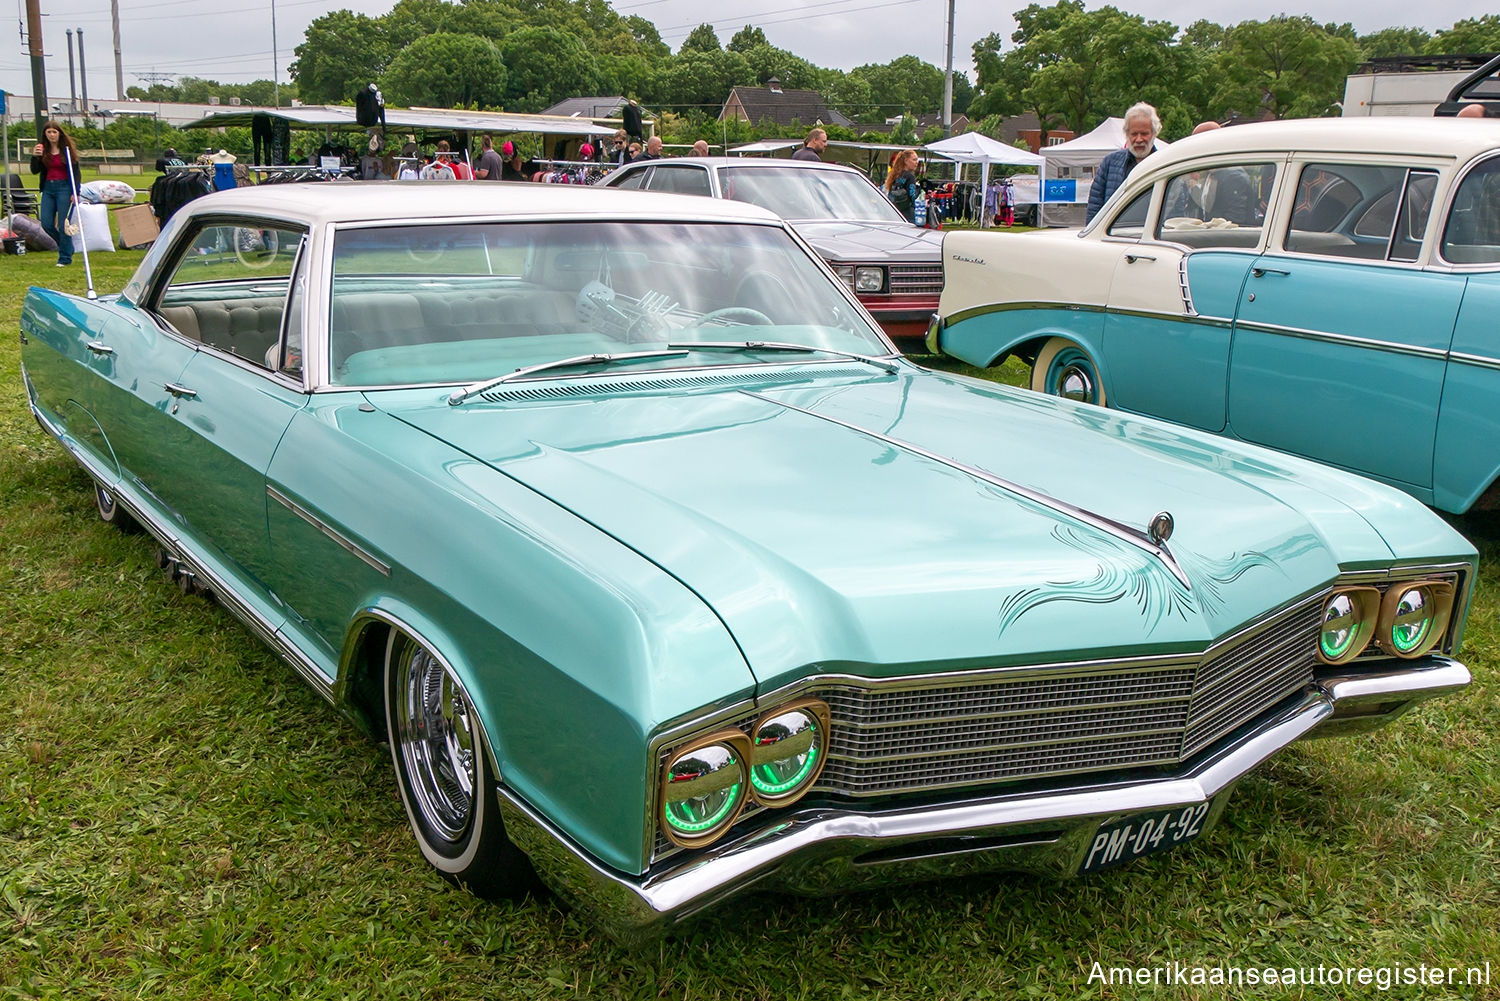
{"x": 56, "y": 159}
{"x": 813, "y": 146}
{"x": 1141, "y": 126}
{"x": 901, "y": 185}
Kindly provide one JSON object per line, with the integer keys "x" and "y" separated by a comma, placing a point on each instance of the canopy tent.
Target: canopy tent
{"x": 426, "y": 119}
{"x": 1088, "y": 150}
{"x": 971, "y": 147}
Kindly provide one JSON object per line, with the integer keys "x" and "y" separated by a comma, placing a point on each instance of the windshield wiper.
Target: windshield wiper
{"x": 881, "y": 363}
{"x": 460, "y": 395}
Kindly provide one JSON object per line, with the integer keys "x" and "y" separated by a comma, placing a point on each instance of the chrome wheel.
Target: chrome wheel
{"x": 445, "y": 773}
{"x": 1064, "y": 369}
{"x": 110, "y": 510}
{"x": 436, "y": 739}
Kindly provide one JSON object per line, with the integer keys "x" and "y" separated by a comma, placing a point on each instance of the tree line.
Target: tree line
{"x": 1069, "y": 66}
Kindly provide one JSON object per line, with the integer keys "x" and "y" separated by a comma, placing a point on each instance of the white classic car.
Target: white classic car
{"x": 1325, "y": 287}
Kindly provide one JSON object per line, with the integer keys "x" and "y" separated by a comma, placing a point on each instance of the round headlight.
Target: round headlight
{"x": 1348, "y": 622}
{"x": 1412, "y": 620}
{"x": 1414, "y": 615}
{"x": 869, "y": 279}
{"x": 790, "y": 747}
{"x": 703, "y": 790}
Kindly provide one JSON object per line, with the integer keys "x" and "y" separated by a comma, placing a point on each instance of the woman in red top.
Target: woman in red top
{"x": 56, "y": 159}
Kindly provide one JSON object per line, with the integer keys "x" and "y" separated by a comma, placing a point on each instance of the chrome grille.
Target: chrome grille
{"x": 1238, "y": 685}
{"x": 888, "y": 739}
{"x": 899, "y": 736}
{"x": 916, "y": 279}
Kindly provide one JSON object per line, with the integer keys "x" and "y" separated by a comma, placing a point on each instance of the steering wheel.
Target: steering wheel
{"x": 738, "y": 314}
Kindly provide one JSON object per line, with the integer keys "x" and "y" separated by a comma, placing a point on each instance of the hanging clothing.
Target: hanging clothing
{"x": 369, "y": 106}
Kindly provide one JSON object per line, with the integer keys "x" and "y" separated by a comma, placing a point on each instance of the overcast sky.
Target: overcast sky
{"x": 232, "y": 40}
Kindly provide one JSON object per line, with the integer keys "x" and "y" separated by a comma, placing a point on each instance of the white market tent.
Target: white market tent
{"x": 971, "y": 147}
{"x": 1086, "y": 150}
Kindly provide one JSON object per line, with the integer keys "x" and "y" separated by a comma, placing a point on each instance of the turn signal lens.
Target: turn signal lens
{"x": 790, "y": 747}
{"x": 704, "y": 788}
{"x": 1349, "y": 618}
{"x": 1414, "y": 616}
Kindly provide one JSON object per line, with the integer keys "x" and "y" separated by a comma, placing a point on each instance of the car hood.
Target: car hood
{"x": 871, "y": 241}
{"x": 835, "y": 518}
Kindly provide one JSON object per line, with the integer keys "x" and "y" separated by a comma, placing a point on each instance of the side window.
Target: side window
{"x": 287, "y": 357}
{"x": 1130, "y": 222}
{"x": 228, "y": 286}
{"x": 1416, "y": 209}
{"x": 1350, "y": 211}
{"x": 1218, "y": 207}
{"x": 1471, "y": 234}
{"x": 681, "y": 180}
{"x": 629, "y": 179}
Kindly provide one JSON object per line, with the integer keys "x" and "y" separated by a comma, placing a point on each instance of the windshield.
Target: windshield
{"x": 436, "y": 304}
{"x": 808, "y": 193}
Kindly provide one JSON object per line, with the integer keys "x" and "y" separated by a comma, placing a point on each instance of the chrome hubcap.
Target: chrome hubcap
{"x": 434, "y": 720}
{"x": 1076, "y": 383}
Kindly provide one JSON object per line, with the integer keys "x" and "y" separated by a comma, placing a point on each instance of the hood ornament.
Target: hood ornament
{"x": 1160, "y": 529}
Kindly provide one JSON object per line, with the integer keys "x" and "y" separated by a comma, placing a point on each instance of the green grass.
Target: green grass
{"x": 181, "y": 817}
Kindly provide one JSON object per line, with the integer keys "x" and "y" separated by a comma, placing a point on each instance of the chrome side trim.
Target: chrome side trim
{"x": 1045, "y": 832}
{"x": 1349, "y": 339}
{"x": 1479, "y": 361}
{"x": 1197, "y": 319}
{"x": 1109, "y": 526}
{"x": 258, "y": 625}
{"x": 1005, "y": 307}
{"x": 339, "y": 539}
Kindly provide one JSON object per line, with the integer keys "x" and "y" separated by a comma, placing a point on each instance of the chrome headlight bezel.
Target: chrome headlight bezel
{"x": 1396, "y": 607}
{"x": 1363, "y": 615}
{"x": 730, "y": 765}
{"x": 814, "y": 735}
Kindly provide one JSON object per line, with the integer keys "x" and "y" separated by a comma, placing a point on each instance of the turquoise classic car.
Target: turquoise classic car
{"x": 596, "y": 506}
{"x": 1326, "y": 287}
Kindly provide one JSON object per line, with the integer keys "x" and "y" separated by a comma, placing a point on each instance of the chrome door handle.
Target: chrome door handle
{"x": 1262, "y": 272}
{"x": 181, "y": 392}
{"x": 100, "y": 348}
{"x": 1132, "y": 258}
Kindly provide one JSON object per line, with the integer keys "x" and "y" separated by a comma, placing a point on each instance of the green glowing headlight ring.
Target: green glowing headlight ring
{"x": 1426, "y": 606}
{"x": 1407, "y": 645}
{"x": 763, "y": 777}
{"x": 687, "y": 788}
{"x": 1355, "y": 609}
{"x": 674, "y": 815}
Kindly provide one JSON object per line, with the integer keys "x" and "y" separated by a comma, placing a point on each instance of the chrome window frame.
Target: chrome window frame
{"x": 1450, "y": 198}
{"x": 150, "y": 298}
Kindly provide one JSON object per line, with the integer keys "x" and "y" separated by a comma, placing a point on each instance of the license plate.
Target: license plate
{"x": 1143, "y": 834}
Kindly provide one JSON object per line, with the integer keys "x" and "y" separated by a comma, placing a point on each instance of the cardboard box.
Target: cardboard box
{"x": 137, "y": 226}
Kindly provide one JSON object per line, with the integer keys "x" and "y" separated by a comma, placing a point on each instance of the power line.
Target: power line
{"x": 788, "y": 20}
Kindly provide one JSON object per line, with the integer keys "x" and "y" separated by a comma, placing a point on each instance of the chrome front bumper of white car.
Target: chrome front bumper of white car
{"x": 1051, "y": 832}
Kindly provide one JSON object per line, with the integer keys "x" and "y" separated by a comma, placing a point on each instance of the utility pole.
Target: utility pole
{"x": 275, "y": 62}
{"x": 114, "y": 17}
{"x": 83, "y": 78}
{"x": 38, "y": 66}
{"x": 948, "y": 79}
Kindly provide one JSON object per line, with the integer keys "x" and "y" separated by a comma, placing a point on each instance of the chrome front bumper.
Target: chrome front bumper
{"x": 819, "y": 850}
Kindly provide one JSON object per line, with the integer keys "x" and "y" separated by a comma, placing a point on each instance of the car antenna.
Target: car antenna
{"x": 88, "y": 272}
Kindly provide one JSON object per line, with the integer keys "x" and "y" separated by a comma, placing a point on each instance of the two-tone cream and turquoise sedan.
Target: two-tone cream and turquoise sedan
{"x": 598, "y": 506}
{"x": 1327, "y": 287}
